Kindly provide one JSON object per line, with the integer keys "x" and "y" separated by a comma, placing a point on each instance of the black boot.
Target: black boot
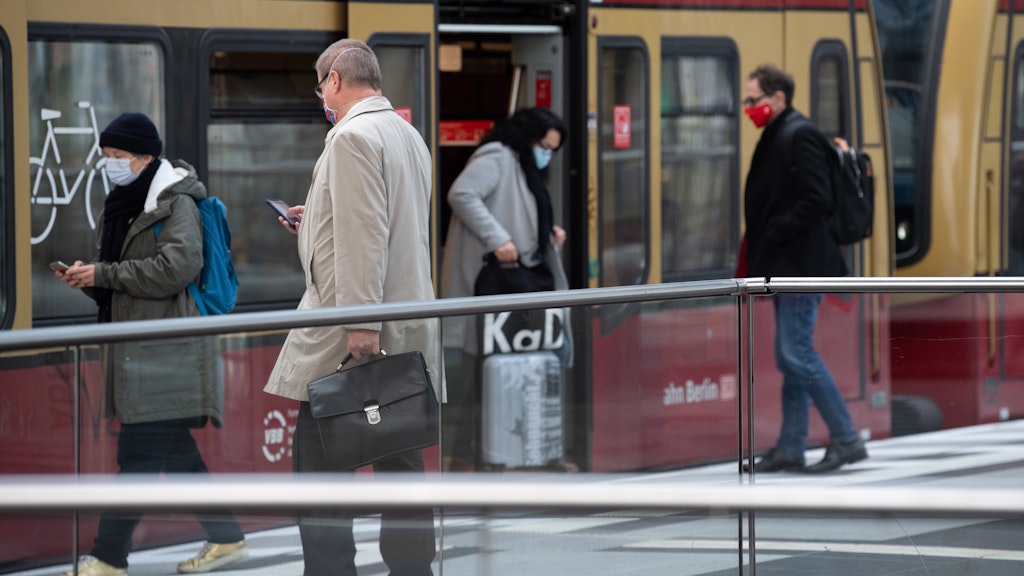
{"x": 838, "y": 454}
{"x": 775, "y": 461}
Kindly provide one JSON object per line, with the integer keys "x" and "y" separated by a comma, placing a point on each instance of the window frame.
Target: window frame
{"x": 412, "y": 40}
{"x": 247, "y": 40}
{"x": 625, "y": 43}
{"x": 823, "y": 50}
{"x": 114, "y": 34}
{"x": 1014, "y": 127}
{"x": 8, "y": 271}
{"x": 726, "y": 48}
{"x": 207, "y": 115}
{"x": 925, "y": 135}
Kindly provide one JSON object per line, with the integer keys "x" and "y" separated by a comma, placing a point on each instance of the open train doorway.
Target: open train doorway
{"x": 487, "y": 72}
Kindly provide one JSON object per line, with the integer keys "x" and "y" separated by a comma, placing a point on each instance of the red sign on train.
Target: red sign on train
{"x": 622, "y": 135}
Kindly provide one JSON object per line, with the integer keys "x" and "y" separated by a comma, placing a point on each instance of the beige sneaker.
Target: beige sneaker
{"x": 213, "y": 556}
{"x": 93, "y": 566}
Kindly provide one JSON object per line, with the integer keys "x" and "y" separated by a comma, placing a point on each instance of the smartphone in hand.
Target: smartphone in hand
{"x": 59, "y": 266}
{"x": 281, "y": 207}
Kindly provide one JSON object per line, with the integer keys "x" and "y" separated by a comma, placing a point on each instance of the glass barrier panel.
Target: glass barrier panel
{"x": 652, "y": 393}
{"x": 37, "y": 437}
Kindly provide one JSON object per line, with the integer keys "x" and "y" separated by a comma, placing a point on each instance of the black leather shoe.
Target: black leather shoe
{"x": 838, "y": 454}
{"x": 775, "y": 461}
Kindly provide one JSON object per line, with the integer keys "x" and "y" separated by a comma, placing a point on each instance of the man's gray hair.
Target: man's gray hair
{"x": 354, "y": 62}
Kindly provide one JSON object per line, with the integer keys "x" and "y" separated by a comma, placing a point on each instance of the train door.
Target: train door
{"x": 665, "y": 164}
{"x": 486, "y": 73}
{"x": 403, "y": 37}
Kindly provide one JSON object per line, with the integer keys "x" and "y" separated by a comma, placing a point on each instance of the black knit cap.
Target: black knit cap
{"x": 132, "y": 132}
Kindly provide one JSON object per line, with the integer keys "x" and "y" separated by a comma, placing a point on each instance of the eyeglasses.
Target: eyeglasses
{"x": 316, "y": 90}
{"x": 747, "y": 102}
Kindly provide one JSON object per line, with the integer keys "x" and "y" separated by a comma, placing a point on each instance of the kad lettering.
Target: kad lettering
{"x": 504, "y": 332}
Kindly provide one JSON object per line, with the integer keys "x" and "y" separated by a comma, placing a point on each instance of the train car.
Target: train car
{"x": 954, "y": 82}
{"x": 665, "y": 121}
{"x": 649, "y": 187}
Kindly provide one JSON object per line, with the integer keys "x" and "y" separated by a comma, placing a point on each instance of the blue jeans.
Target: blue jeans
{"x": 804, "y": 376}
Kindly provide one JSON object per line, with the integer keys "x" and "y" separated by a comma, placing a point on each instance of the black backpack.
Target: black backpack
{"x": 853, "y": 186}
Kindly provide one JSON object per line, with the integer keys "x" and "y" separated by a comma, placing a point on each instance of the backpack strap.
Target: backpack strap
{"x": 788, "y": 133}
{"x": 192, "y": 288}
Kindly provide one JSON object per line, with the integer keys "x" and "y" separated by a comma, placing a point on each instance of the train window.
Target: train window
{"x": 909, "y": 36}
{"x": 623, "y": 194}
{"x": 830, "y": 101}
{"x": 76, "y": 87}
{"x": 7, "y": 285}
{"x": 699, "y": 194}
{"x": 1015, "y": 192}
{"x": 265, "y": 130}
{"x": 404, "y": 65}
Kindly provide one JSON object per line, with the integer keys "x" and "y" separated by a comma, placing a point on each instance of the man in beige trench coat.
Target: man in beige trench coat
{"x": 363, "y": 238}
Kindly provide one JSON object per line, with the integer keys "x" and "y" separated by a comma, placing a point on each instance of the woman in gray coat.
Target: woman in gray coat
{"x": 160, "y": 389}
{"x": 501, "y": 207}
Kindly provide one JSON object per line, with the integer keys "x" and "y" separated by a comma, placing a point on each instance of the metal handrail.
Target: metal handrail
{"x": 901, "y": 285}
{"x": 511, "y": 491}
{"x": 285, "y": 319}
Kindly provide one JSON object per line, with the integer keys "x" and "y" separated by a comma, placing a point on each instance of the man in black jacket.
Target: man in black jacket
{"x": 787, "y": 203}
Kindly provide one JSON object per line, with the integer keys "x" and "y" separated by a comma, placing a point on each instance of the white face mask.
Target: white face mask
{"x": 119, "y": 171}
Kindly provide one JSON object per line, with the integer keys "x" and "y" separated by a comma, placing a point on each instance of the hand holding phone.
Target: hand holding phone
{"x": 59, "y": 266}
{"x": 281, "y": 207}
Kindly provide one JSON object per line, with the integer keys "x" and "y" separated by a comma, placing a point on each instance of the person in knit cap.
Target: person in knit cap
{"x": 157, "y": 390}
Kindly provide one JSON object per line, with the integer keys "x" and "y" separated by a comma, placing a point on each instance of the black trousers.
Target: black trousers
{"x": 328, "y": 546}
{"x": 165, "y": 447}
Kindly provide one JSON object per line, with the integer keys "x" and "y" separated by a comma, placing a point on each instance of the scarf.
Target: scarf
{"x": 121, "y": 208}
{"x": 545, "y": 212}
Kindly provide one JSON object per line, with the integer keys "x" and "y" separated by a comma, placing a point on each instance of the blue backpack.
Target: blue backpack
{"x": 218, "y": 285}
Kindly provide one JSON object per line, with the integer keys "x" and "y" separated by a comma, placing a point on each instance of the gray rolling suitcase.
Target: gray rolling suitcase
{"x": 522, "y": 409}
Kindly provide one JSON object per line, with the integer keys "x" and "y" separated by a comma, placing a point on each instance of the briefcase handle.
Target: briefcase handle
{"x": 348, "y": 357}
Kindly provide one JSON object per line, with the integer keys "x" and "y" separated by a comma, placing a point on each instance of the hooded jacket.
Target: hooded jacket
{"x": 171, "y": 378}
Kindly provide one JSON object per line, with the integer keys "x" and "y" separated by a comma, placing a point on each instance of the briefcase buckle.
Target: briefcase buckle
{"x": 372, "y": 410}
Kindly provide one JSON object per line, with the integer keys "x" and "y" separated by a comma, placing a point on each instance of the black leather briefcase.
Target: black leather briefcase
{"x": 375, "y": 410}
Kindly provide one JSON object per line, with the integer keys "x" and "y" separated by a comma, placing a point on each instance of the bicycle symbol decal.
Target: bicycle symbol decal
{"x": 46, "y": 199}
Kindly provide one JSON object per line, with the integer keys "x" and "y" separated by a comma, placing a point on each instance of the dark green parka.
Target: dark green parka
{"x": 171, "y": 378}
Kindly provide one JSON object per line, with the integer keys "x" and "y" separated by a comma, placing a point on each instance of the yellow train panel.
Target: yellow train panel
{"x": 958, "y": 134}
{"x": 269, "y": 14}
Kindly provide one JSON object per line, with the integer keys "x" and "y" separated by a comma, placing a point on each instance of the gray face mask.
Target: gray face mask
{"x": 119, "y": 171}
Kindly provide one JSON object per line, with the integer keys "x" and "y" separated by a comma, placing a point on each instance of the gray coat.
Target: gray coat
{"x": 172, "y": 378}
{"x": 364, "y": 239}
{"x": 491, "y": 204}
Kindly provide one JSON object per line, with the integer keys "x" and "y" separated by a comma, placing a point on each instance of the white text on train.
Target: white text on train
{"x": 547, "y": 336}
{"x": 691, "y": 393}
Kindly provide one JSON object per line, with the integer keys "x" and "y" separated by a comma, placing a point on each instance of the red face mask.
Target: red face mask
{"x": 760, "y": 115}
